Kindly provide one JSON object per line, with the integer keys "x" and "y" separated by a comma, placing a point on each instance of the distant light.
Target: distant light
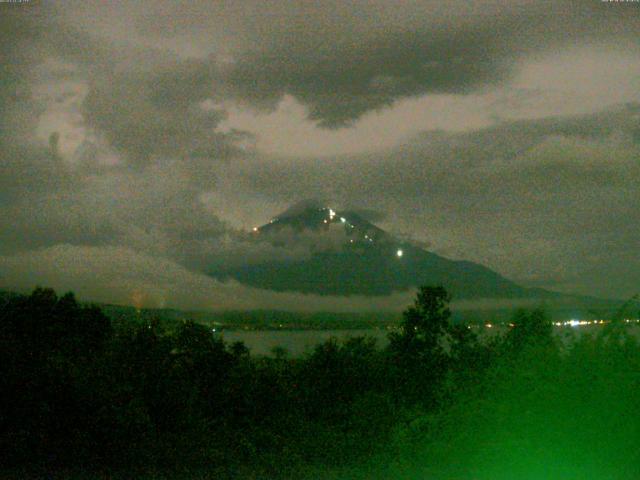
{"x": 325, "y": 220}
{"x": 331, "y": 214}
{"x": 574, "y": 323}
{"x": 255, "y": 229}
{"x": 488, "y": 325}
{"x": 342, "y": 219}
{"x": 399, "y": 253}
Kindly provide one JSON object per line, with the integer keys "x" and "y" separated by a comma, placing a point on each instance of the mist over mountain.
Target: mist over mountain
{"x": 349, "y": 255}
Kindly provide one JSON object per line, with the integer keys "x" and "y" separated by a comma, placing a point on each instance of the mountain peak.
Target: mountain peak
{"x": 318, "y": 217}
{"x": 348, "y": 255}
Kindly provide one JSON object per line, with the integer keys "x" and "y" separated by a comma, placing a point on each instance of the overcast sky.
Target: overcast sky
{"x": 140, "y": 140}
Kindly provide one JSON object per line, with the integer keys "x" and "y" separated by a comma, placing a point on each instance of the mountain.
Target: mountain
{"x": 348, "y": 255}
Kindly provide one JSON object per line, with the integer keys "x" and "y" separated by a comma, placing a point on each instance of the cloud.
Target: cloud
{"x": 145, "y": 103}
{"x": 342, "y": 62}
{"x": 82, "y": 112}
{"x": 122, "y": 276}
{"x": 545, "y": 202}
{"x": 118, "y": 275}
{"x": 116, "y": 132}
{"x": 155, "y": 113}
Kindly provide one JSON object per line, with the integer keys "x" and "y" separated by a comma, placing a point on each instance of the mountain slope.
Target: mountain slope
{"x": 349, "y": 255}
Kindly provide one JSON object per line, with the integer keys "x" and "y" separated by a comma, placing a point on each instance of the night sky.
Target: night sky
{"x": 140, "y": 141}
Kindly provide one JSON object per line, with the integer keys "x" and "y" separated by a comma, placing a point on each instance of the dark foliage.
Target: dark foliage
{"x": 78, "y": 395}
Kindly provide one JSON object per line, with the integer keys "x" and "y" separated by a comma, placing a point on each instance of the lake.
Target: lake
{"x": 298, "y": 342}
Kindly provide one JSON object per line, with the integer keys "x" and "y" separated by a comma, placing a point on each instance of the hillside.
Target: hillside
{"x": 348, "y": 255}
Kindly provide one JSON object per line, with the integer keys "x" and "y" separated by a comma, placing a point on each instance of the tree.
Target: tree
{"x": 530, "y": 328}
{"x": 421, "y": 348}
{"x": 425, "y": 324}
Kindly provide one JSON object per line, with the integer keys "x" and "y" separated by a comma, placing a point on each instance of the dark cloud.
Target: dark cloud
{"x": 339, "y": 86}
{"x": 144, "y": 102}
{"x": 135, "y": 109}
{"x": 339, "y": 60}
{"x": 539, "y": 200}
{"x": 369, "y": 214}
{"x": 158, "y": 113}
{"x": 123, "y": 167}
{"x": 302, "y": 205}
{"x": 31, "y": 170}
{"x": 343, "y": 61}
